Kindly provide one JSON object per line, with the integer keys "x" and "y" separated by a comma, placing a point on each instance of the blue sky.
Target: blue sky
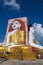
{"x": 32, "y": 9}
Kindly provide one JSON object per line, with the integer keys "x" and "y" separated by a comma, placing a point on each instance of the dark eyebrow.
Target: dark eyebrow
{"x": 16, "y": 22}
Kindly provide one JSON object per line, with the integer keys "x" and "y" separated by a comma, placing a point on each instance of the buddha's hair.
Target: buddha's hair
{"x": 15, "y": 20}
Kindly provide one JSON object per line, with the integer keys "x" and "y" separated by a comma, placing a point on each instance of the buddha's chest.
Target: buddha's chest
{"x": 17, "y": 37}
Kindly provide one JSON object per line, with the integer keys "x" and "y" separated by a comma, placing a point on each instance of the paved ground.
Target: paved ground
{"x": 24, "y": 62}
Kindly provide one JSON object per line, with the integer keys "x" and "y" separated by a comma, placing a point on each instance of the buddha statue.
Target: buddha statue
{"x": 16, "y": 36}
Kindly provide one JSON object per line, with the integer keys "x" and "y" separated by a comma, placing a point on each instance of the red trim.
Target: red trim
{"x": 35, "y": 50}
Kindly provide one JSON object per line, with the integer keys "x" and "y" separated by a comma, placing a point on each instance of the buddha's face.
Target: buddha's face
{"x": 16, "y": 25}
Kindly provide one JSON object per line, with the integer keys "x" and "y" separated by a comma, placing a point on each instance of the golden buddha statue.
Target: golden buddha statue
{"x": 17, "y": 36}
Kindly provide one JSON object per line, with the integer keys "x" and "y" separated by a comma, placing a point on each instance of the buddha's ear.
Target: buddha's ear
{"x": 20, "y": 25}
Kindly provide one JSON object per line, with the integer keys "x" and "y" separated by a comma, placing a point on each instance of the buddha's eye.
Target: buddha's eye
{"x": 16, "y": 23}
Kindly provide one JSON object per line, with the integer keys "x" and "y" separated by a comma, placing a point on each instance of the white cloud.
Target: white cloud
{"x": 11, "y": 4}
{"x": 38, "y": 34}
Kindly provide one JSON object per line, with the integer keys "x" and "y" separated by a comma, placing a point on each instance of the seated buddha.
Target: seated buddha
{"x": 16, "y": 36}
